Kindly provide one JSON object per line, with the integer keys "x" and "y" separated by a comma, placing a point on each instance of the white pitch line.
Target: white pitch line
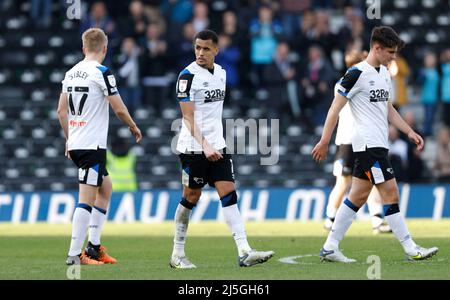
{"x": 291, "y": 259}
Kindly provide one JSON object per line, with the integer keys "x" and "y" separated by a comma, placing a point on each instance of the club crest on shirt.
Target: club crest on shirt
{"x": 112, "y": 80}
{"x": 198, "y": 180}
{"x": 182, "y": 85}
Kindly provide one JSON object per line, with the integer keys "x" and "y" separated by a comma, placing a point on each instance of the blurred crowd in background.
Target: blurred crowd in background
{"x": 283, "y": 57}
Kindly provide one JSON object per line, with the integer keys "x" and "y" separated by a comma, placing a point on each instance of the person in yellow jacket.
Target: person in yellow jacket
{"x": 121, "y": 166}
{"x": 399, "y": 71}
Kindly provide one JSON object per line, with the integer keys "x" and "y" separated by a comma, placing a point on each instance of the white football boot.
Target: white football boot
{"x": 334, "y": 256}
{"x": 421, "y": 253}
{"x": 182, "y": 262}
{"x": 254, "y": 257}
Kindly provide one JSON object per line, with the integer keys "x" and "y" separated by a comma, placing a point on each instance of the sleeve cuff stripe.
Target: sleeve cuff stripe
{"x": 342, "y": 93}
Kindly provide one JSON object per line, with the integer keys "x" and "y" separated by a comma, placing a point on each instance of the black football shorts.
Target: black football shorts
{"x": 197, "y": 171}
{"x": 373, "y": 165}
{"x": 91, "y": 165}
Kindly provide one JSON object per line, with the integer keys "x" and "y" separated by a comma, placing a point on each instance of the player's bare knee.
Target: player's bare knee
{"x": 192, "y": 195}
{"x": 358, "y": 201}
{"x": 391, "y": 197}
{"x": 106, "y": 188}
{"x": 225, "y": 188}
{"x": 358, "y": 198}
{"x": 389, "y": 194}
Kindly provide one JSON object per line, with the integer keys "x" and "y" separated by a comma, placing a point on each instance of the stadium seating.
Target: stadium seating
{"x": 32, "y": 65}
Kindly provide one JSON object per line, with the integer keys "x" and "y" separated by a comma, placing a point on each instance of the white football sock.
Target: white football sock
{"x": 80, "y": 224}
{"x": 342, "y": 222}
{"x": 376, "y": 212}
{"x": 182, "y": 215}
{"x": 400, "y": 230}
{"x": 376, "y": 221}
{"x": 98, "y": 218}
{"x": 234, "y": 221}
{"x": 331, "y": 211}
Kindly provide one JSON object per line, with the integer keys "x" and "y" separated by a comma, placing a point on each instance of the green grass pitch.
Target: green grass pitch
{"x": 38, "y": 251}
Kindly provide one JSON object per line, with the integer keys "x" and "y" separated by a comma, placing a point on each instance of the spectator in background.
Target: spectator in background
{"x": 200, "y": 19}
{"x": 445, "y": 86}
{"x": 321, "y": 34}
{"x": 415, "y": 169}
{"x": 398, "y": 153}
{"x": 316, "y": 88}
{"x": 154, "y": 15}
{"x": 121, "y": 163}
{"x": 276, "y": 76}
{"x": 344, "y": 33}
{"x": 41, "y": 12}
{"x": 442, "y": 162}
{"x": 217, "y": 8}
{"x": 154, "y": 66}
{"x": 429, "y": 77}
{"x": 264, "y": 32}
{"x": 245, "y": 9}
{"x": 399, "y": 71}
{"x": 228, "y": 58}
{"x": 134, "y": 24}
{"x": 128, "y": 74}
{"x": 98, "y": 18}
{"x": 231, "y": 28}
{"x": 291, "y": 11}
{"x": 181, "y": 50}
{"x": 176, "y": 13}
{"x": 301, "y": 42}
{"x": 353, "y": 28}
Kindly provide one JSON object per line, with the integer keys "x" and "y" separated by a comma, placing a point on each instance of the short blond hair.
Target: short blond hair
{"x": 94, "y": 39}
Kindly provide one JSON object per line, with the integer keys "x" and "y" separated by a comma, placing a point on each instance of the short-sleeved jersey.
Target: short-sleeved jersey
{"x": 87, "y": 84}
{"x": 345, "y": 125}
{"x": 207, "y": 90}
{"x": 368, "y": 89}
